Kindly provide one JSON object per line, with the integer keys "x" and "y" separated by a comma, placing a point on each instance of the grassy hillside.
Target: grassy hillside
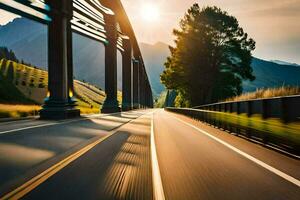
{"x": 25, "y": 85}
{"x": 9, "y": 93}
{"x": 267, "y": 93}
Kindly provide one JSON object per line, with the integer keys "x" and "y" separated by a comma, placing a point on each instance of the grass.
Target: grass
{"x": 272, "y": 128}
{"x": 22, "y": 85}
{"x": 267, "y": 93}
{"x": 17, "y": 111}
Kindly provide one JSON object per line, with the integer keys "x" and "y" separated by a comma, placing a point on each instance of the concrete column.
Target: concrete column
{"x": 57, "y": 104}
{"x": 71, "y": 91}
{"x": 136, "y": 84}
{"x": 126, "y": 78}
{"x": 148, "y": 96}
{"x": 111, "y": 104}
{"x": 142, "y": 87}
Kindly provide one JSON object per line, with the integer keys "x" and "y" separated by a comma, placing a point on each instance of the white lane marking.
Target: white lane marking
{"x": 59, "y": 123}
{"x": 255, "y": 160}
{"x": 29, "y": 127}
{"x": 156, "y": 178}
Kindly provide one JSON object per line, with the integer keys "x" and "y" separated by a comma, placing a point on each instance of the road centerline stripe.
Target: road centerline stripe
{"x": 33, "y": 183}
{"x": 249, "y": 157}
{"x": 39, "y": 179}
{"x": 158, "y": 190}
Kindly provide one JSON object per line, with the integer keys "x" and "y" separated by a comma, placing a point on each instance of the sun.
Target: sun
{"x": 150, "y": 12}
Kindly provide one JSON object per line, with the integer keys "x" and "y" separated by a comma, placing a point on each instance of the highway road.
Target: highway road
{"x": 150, "y": 154}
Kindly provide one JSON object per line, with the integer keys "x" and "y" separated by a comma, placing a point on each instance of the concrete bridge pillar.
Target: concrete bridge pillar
{"x": 111, "y": 104}
{"x": 142, "y": 87}
{"x": 126, "y": 78}
{"x": 58, "y": 104}
{"x": 136, "y": 84}
{"x": 147, "y": 95}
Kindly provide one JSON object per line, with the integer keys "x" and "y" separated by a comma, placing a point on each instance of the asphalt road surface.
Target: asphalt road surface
{"x": 139, "y": 155}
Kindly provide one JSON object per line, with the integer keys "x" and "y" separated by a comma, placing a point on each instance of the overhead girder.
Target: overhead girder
{"x": 34, "y": 9}
{"x": 87, "y": 16}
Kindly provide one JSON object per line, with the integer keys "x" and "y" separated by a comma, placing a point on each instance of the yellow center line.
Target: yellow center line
{"x": 30, "y": 185}
{"x": 39, "y": 179}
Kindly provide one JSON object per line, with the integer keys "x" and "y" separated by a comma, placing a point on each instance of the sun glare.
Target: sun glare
{"x": 150, "y": 12}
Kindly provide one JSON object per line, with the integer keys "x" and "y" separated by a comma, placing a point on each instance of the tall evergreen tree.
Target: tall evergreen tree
{"x": 211, "y": 57}
{"x": 7, "y": 54}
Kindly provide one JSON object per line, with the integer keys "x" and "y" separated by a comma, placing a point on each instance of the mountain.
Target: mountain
{"x": 28, "y": 40}
{"x": 154, "y": 58}
{"x": 280, "y": 62}
{"x": 268, "y": 74}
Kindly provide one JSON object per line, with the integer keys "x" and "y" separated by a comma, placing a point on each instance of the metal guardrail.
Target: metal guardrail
{"x": 286, "y": 108}
{"x": 271, "y": 121}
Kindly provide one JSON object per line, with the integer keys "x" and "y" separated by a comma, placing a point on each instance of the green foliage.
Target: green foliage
{"x": 181, "y": 102}
{"x": 211, "y": 57}
{"x": 8, "y": 91}
{"x": 7, "y": 54}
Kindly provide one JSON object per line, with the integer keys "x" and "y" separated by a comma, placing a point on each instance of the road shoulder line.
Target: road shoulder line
{"x": 158, "y": 190}
{"x": 249, "y": 157}
{"x": 62, "y": 122}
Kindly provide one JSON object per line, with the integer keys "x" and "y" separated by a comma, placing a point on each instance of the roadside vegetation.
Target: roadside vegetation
{"x": 17, "y": 111}
{"x": 267, "y": 93}
{"x": 161, "y": 100}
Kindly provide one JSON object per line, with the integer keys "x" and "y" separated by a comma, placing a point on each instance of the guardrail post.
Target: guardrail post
{"x": 126, "y": 78}
{"x": 230, "y": 110}
{"x": 111, "y": 103}
{"x": 249, "y": 115}
{"x": 265, "y": 115}
{"x": 238, "y": 111}
{"x": 290, "y": 109}
{"x": 59, "y": 103}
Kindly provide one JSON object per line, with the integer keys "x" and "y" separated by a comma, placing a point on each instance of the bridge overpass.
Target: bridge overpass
{"x": 135, "y": 154}
{"x": 104, "y": 21}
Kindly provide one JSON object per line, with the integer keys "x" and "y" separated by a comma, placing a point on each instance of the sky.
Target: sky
{"x": 273, "y": 24}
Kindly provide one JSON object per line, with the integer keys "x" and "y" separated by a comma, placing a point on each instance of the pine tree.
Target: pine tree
{"x": 211, "y": 57}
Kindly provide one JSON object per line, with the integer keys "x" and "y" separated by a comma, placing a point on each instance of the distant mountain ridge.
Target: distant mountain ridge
{"x": 29, "y": 41}
{"x": 280, "y": 62}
